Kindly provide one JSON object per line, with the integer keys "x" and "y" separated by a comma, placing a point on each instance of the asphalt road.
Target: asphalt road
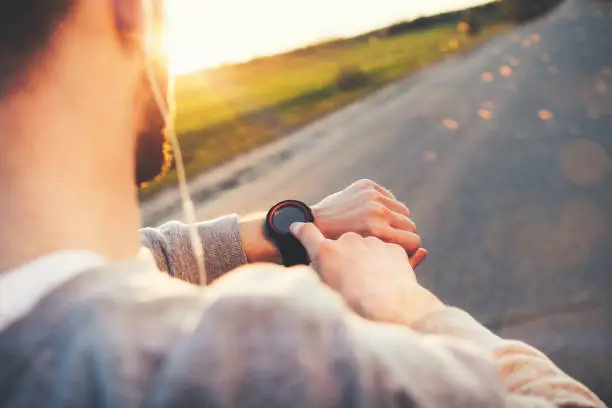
{"x": 504, "y": 157}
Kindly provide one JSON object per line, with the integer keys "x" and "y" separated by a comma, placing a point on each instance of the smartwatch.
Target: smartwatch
{"x": 278, "y": 223}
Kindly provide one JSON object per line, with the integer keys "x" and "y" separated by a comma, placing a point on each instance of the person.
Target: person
{"x": 87, "y": 319}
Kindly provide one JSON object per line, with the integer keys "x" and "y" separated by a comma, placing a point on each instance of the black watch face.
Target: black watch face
{"x": 287, "y": 215}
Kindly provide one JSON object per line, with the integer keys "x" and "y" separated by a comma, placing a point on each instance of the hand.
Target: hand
{"x": 364, "y": 207}
{"x": 369, "y": 210}
{"x": 375, "y": 278}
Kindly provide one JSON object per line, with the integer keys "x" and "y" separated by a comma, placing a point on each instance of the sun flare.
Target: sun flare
{"x": 188, "y": 38}
{"x": 208, "y": 33}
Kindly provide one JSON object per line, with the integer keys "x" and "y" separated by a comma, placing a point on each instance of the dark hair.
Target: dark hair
{"x": 26, "y": 28}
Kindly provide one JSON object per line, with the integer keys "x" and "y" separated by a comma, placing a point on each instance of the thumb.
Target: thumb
{"x": 310, "y": 236}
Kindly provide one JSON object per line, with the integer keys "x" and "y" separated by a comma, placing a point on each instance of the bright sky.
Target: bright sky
{"x": 204, "y": 33}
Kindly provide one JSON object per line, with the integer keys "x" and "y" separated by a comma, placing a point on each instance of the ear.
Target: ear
{"x": 129, "y": 18}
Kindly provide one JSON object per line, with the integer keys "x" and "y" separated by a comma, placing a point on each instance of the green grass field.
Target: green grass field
{"x": 224, "y": 112}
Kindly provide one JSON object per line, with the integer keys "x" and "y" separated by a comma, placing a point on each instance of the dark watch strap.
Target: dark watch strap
{"x": 292, "y": 251}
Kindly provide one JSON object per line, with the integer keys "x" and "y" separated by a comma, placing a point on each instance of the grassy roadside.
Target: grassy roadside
{"x": 225, "y": 112}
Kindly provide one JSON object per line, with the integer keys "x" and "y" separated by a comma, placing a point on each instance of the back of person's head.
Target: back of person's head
{"x": 26, "y": 29}
{"x": 60, "y": 46}
{"x": 83, "y": 121}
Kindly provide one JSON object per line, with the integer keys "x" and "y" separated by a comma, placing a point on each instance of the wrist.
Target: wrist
{"x": 257, "y": 247}
{"x": 413, "y": 305}
{"x": 418, "y": 304}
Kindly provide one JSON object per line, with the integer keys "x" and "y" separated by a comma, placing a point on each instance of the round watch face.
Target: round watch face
{"x": 287, "y": 215}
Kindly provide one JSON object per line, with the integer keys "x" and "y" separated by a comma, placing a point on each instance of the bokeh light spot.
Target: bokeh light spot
{"x": 596, "y": 96}
{"x": 485, "y": 113}
{"x": 584, "y": 162}
{"x": 601, "y": 87}
{"x": 553, "y": 69}
{"x": 505, "y": 71}
{"x": 450, "y": 124}
{"x": 430, "y": 156}
{"x": 463, "y": 27}
{"x": 545, "y": 114}
{"x": 487, "y": 77}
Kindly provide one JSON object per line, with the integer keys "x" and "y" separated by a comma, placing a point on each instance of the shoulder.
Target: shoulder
{"x": 108, "y": 329}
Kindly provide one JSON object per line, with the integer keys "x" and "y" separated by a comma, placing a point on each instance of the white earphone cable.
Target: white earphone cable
{"x": 187, "y": 203}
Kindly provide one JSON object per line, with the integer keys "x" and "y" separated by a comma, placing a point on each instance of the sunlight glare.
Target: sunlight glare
{"x": 192, "y": 44}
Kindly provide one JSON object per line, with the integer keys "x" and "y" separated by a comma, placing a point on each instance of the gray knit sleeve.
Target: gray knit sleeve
{"x": 174, "y": 254}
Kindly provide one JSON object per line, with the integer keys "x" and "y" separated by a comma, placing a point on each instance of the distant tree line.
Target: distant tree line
{"x": 517, "y": 11}
{"x": 480, "y": 15}
{"x": 526, "y": 10}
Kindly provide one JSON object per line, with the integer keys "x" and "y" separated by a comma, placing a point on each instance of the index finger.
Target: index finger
{"x": 310, "y": 236}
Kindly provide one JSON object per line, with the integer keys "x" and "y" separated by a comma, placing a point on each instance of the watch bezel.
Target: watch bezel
{"x": 287, "y": 203}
